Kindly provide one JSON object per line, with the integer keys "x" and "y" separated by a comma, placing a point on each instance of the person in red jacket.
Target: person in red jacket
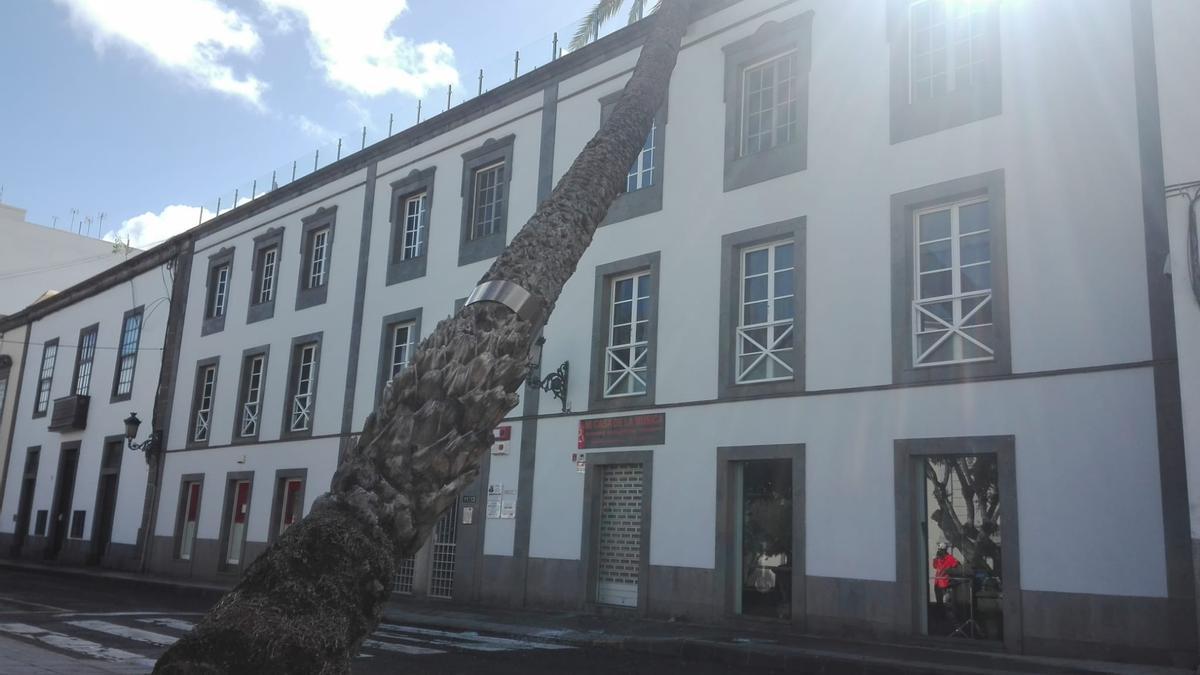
{"x": 943, "y": 562}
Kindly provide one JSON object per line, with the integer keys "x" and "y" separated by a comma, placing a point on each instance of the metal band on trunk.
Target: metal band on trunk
{"x": 525, "y": 304}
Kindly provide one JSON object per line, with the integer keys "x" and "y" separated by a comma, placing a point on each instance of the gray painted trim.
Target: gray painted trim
{"x": 360, "y": 296}
{"x": 600, "y": 327}
{"x": 216, "y": 323}
{"x": 197, "y": 385}
{"x": 79, "y": 354}
{"x": 115, "y": 397}
{"x": 385, "y": 344}
{"x": 1172, "y": 460}
{"x": 277, "y": 499}
{"x": 235, "y": 437}
{"x": 260, "y": 311}
{"x": 12, "y": 425}
{"x": 531, "y": 400}
{"x": 906, "y": 450}
{"x": 904, "y": 205}
{"x": 591, "y": 524}
{"x": 180, "y": 512}
{"x": 773, "y": 37}
{"x": 325, "y": 216}
{"x": 285, "y": 432}
{"x": 726, "y": 585}
{"x": 94, "y": 538}
{"x": 231, "y": 479}
{"x": 963, "y": 106}
{"x": 545, "y": 184}
{"x": 493, "y": 150}
{"x": 732, "y": 246}
{"x": 37, "y": 387}
{"x": 415, "y": 183}
{"x": 629, "y": 205}
{"x": 54, "y": 526}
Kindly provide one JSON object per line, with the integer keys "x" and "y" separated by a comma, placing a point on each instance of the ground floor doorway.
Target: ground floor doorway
{"x": 430, "y": 571}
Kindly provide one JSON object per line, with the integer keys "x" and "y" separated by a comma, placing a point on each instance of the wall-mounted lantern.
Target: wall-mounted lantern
{"x": 555, "y": 383}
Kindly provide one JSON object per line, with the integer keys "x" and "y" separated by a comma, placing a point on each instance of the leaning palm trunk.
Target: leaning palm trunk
{"x": 308, "y": 602}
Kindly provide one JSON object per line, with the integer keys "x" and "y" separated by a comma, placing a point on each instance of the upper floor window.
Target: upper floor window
{"x": 398, "y": 344}
{"x": 412, "y": 199}
{"x": 264, "y": 274}
{"x": 769, "y": 103}
{"x": 945, "y": 45}
{"x": 403, "y": 336}
{"x": 487, "y": 172}
{"x": 267, "y": 260}
{"x": 218, "y": 291}
{"x": 487, "y": 200}
{"x": 254, "y": 369}
{"x": 945, "y": 64}
{"x": 127, "y": 351}
{"x": 85, "y": 355}
{"x": 41, "y": 400}
{"x": 641, "y": 174}
{"x": 950, "y": 299}
{"x": 766, "y": 102}
{"x": 302, "y": 386}
{"x": 316, "y": 257}
{"x": 206, "y": 384}
{"x": 625, "y": 323}
{"x": 413, "y": 238}
{"x": 953, "y": 288}
{"x": 766, "y": 330}
{"x": 216, "y": 302}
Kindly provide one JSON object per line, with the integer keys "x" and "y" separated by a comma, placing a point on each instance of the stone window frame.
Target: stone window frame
{"x": 37, "y": 389}
{"x": 140, "y": 312}
{"x": 197, "y": 386}
{"x": 261, "y": 311}
{"x": 94, "y": 330}
{"x": 181, "y": 515}
{"x": 388, "y": 323}
{"x": 726, "y": 456}
{"x": 231, "y": 480}
{"x": 771, "y": 39}
{"x": 236, "y": 437}
{"x": 732, "y": 245}
{"x": 415, "y": 183}
{"x": 911, "y": 120}
{"x": 282, "y": 475}
{"x": 652, "y": 263}
{"x": 903, "y": 207}
{"x": 492, "y": 151}
{"x": 214, "y": 323}
{"x": 906, "y": 451}
{"x": 293, "y": 363}
{"x": 629, "y": 205}
{"x": 324, "y": 217}
{"x": 591, "y": 521}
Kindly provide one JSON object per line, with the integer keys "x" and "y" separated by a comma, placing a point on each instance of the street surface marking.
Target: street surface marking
{"x": 401, "y": 648}
{"x": 51, "y": 608}
{"x": 77, "y": 645}
{"x": 119, "y": 614}
{"x": 127, "y": 632}
{"x": 470, "y": 640}
{"x": 168, "y": 622}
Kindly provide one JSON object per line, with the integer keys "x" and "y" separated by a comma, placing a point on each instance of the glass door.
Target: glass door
{"x": 763, "y": 538}
{"x": 237, "y": 524}
{"x": 958, "y": 501}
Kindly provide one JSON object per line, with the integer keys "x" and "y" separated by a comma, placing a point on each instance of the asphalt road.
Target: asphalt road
{"x": 120, "y": 627}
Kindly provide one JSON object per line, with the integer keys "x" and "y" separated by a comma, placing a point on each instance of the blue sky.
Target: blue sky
{"x": 147, "y": 109}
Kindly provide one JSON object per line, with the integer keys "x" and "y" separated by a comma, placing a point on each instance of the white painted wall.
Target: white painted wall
{"x": 12, "y": 344}
{"x": 151, "y": 289}
{"x": 36, "y": 259}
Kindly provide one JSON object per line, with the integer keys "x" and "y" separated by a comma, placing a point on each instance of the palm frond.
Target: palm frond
{"x": 636, "y": 11}
{"x": 589, "y": 27}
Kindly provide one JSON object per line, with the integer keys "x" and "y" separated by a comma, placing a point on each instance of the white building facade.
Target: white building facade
{"x": 886, "y": 276}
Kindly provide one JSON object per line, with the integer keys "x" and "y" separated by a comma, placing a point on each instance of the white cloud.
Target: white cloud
{"x": 190, "y": 37}
{"x": 312, "y": 129}
{"x": 151, "y": 228}
{"x": 353, "y": 43}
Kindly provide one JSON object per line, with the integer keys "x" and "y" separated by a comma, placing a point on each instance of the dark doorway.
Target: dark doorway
{"x": 25, "y": 502}
{"x": 64, "y": 493}
{"x": 763, "y": 529}
{"x": 106, "y": 501}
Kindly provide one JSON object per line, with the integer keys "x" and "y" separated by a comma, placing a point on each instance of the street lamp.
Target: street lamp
{"x": 555, "y": 383}
{"x": 148, "y": 446}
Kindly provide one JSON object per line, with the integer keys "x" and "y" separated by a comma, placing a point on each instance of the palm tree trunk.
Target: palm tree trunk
{"x": 307, "y": 603}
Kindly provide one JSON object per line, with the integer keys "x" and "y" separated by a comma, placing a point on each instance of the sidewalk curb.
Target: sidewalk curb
{"x": 125, "y": 578}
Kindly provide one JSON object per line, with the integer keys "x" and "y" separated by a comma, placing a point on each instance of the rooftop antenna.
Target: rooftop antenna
{"x": 100, "y": 224}
{"x": 74, "y": 212}
{"x": 1, "y": 193}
